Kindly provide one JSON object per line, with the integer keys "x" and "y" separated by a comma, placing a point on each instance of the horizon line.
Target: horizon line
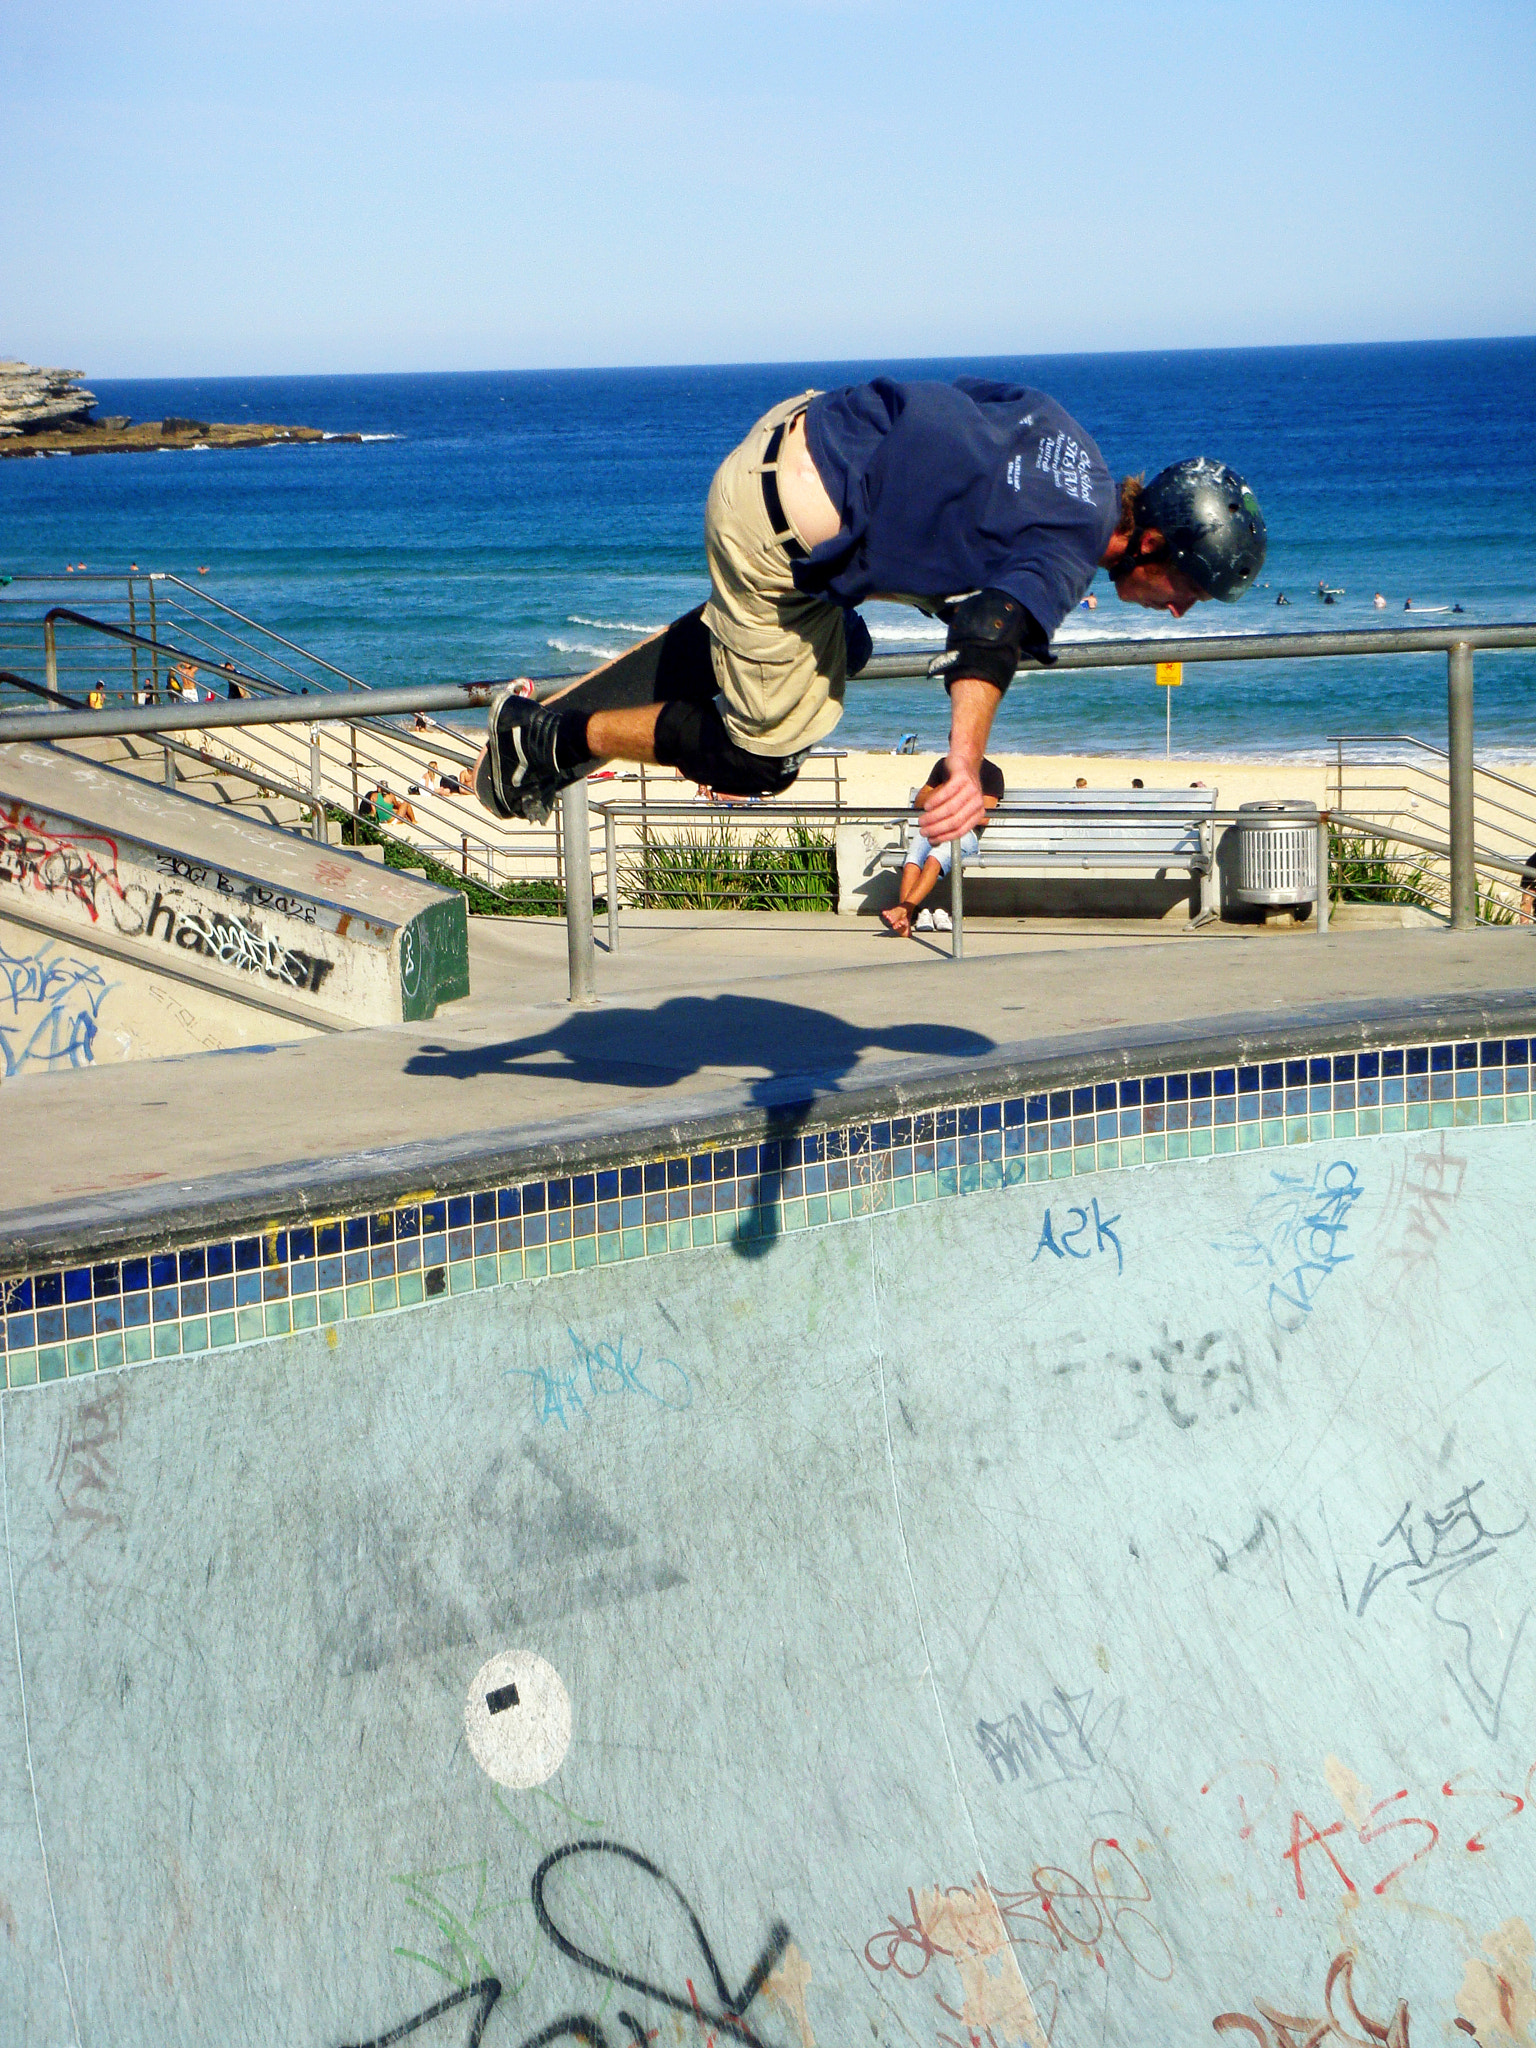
{"x": 791, "y": 362}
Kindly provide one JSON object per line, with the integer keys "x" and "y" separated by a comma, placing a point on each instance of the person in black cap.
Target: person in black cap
{"x": 925, "y": 862}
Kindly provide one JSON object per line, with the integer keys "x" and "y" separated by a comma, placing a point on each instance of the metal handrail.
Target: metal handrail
{"x": 1428, "y": 747}
{"x": 1140, "y": 653}
{"x": 206, "y": 597}
{"x": 1458, "y": 642}
{"x": 1423, "y": 844}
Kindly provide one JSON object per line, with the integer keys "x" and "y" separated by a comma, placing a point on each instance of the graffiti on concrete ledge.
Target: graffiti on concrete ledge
{"x": 42, "y": 862}
{"x": 233, "y": 942}
{"x": 50, "y": 1007}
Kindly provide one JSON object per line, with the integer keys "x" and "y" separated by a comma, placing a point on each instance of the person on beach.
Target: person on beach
{"x": 983, "y": 504}
{"x": 925, "y": 863}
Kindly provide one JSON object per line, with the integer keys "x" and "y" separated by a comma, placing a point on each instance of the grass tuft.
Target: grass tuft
{"x": 791, "y": 868}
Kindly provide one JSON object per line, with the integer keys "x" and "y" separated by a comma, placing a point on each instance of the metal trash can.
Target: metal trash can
{"x": 1277, "y": 853}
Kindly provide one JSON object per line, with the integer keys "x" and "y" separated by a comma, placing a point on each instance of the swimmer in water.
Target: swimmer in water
{"x": 1379, "y": 601}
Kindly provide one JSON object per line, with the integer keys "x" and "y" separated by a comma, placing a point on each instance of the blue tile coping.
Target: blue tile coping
{"x": 209, "y": 1293}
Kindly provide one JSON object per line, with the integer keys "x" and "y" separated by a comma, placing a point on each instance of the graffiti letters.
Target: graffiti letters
{"x": 232, "y": 942}
{"x": 713, "y": 2007}
{"x": 1189, "y": 1381}
{"x": 1438, "y": 1546}
{"x": 1061, "y": 1739}
{"x": 1276, "y": 2029}
{"x": 598, "y": 1371}
{"x": 1080, "y": 1236}
{"x": 1416, "y": 1219}
{"x": 50, "y": 1005}
{"x": 1374, "y": 1842}
{"x": 203, "y": 876}
{"x": 84, "y": 1474}
{"x": 1293, "y": 1234}
{"x": 980, "y": 1929}
{"x": 76, "y": 865}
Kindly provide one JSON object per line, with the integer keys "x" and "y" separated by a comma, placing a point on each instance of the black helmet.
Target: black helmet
{"x": 1211, "y": 523}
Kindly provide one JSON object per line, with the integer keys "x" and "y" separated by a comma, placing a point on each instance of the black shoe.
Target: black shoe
{"x": 534, "y": 752}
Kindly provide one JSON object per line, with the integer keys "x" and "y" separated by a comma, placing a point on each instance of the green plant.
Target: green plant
{"x": 1361, "y": 870}
{"x": 791, "y": 868}
{"x": 542, "y": 897}
{"x": 1493, "y": 907}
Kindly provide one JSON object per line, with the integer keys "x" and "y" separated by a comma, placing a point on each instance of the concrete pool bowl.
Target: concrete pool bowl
{"x": 1030, "y": 1548}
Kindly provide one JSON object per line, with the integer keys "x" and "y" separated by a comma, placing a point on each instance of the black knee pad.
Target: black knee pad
{"x": 693, "y": 737}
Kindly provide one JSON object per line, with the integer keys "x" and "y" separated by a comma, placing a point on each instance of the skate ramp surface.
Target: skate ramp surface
{"x": 1004, "y": 1579}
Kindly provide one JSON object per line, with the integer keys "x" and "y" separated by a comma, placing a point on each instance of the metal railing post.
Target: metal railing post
{"x": 50, "y": 656}
{"x": 133, "y": 652}
{"x": 317, "y": 787}
{"x": 578, "y": 893}
{"x": 154, "y": 635}
{"x": 1459, "y": 720}
{"x": 957, "y": 900}
{"x": 611, "y": 877}
{"x": 1322, "y": 876}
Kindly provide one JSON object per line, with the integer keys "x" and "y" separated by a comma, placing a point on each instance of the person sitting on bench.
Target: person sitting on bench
{"x": 925, "y": 863}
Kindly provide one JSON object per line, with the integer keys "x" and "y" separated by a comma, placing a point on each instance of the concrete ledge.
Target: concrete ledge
{"x": 137, "y": 1219}
{"x": 162, "y": 883}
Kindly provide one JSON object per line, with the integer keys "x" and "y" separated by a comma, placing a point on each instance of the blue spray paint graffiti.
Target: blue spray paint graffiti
{"x": 1293, "y": 1232}
{"x": 562, "y": 1393}
{"x": 49, "y": 1005}
{"x": 1072, "y": 1242}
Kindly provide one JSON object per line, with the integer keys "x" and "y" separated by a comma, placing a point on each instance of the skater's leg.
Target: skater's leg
{"x": 624, "y": 735}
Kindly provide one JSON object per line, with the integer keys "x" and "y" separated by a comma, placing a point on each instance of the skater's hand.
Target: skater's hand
{"x": 956, "y": 806}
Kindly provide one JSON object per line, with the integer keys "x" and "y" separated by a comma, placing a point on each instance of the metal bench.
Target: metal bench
{"x": 1054, "y": 831}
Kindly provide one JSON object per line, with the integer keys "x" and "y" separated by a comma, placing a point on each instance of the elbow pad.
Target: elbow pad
{"x": 987, "y": 634}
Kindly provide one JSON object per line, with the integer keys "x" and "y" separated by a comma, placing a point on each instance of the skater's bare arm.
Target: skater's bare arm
{"x": 957, "y": 806}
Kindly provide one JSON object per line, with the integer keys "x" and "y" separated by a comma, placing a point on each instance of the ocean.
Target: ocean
{"x": 537, "y": 521}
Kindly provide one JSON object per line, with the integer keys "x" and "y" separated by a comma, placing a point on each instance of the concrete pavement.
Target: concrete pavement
{"x": 698, "y": 1018}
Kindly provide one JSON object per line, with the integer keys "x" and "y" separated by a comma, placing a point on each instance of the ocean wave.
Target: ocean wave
{"x": 583, "y": 647}
{"x": 381, "y": 437}
{"x": 929, "y": 634}
{"x": 614, "y": 625}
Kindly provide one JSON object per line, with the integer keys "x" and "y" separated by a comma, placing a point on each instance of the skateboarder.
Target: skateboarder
{"x": 983, "y": 504}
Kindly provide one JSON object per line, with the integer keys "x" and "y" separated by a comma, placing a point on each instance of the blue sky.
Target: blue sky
{"x": 230, "y": 188}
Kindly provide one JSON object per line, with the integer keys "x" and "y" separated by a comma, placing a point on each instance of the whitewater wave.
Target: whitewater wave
{"x": 560, "y": 646}
{"x": 380, "y": 437}
{"x": 614, "y": 625}
{"x": 928, "y": 634}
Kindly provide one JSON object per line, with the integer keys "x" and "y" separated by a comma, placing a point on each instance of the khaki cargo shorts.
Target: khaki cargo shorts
{"x": 780, "y": 654}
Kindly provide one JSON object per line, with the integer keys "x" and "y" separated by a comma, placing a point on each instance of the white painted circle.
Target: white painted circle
{"x": 518, "y": 1718}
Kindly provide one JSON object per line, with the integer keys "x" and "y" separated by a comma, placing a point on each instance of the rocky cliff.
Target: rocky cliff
{"x": 31, "y": 399}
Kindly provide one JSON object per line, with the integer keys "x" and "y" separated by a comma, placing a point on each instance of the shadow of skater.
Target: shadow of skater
{"x": 795, "y": 1052}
